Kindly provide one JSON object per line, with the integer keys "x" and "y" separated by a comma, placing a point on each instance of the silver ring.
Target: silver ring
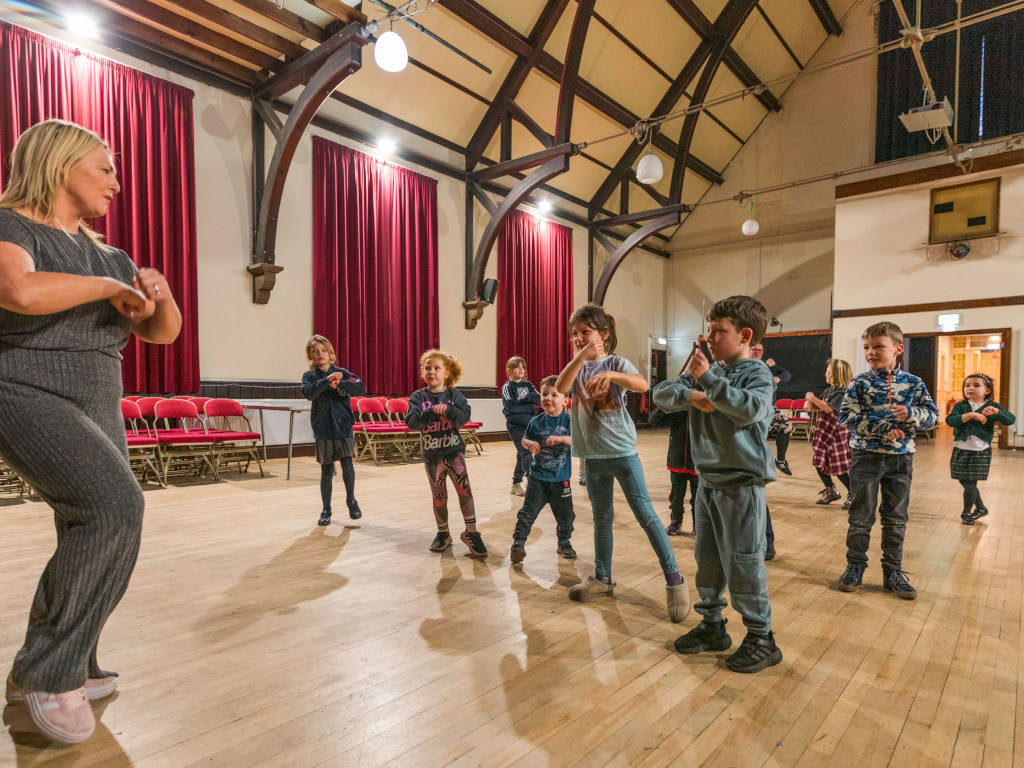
{"x": 156, "y": 289}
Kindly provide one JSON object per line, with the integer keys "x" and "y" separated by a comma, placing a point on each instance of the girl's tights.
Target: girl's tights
{"x": 827, "y": 479}
{"x": 348, "y": 474}
{"x": 972, "y": 496}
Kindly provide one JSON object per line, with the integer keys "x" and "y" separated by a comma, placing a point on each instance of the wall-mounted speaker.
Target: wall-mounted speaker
{"x": 490, "y": 292}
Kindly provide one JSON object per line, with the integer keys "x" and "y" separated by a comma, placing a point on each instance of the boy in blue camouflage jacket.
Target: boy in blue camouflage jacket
{"x": 883, "y": 409}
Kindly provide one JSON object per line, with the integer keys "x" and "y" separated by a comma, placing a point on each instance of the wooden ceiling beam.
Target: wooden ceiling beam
{"x": 827, "y": 18}
{"x": 285, "y": 18}
{"x": 145, "y": 12}
{"x": 238, "y": 25}
{"x": 339, "y": 10}
{"x": 516, "y": 76}
{"x": 700, "y": 24}
{"x": 478, "y": 17}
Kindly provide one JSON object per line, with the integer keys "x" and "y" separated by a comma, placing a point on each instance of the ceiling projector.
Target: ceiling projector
{"x": 929, "y": 116}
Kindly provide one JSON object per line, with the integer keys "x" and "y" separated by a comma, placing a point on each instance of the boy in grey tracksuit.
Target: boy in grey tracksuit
{"x": 730, "y": 404}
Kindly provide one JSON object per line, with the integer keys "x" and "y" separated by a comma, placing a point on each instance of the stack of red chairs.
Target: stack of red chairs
{"x": 143, "y": 446}
{"x": 183, "y": 449}
{"x": 231, "y": 445}
{"x": 381, "y": 437}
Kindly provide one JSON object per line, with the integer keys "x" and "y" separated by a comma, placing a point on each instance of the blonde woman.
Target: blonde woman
{"x": 68, "y": 304}
{"x": 830, "y": 443}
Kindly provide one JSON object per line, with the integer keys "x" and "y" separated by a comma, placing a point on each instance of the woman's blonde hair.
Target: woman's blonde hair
{"x": 43, "y": 157}
{"x": 318, "y": 339}
{"x": 842, "y": 373}
{"x": 451, "y": 364}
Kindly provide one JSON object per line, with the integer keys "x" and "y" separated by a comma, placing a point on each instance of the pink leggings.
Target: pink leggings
{"x": 453, "y": 466}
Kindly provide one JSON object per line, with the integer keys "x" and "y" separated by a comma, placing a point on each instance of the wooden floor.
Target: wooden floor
{"x": 251, "y": 637}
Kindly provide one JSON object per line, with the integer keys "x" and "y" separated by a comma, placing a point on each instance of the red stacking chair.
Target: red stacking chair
{"x": 183, "y": 449}
{"x": 142, "y": 443}
{"x": 231, "y": 445}
{"x": 146, "y": 405}
{"x": 133, "y": 398}
{"x": 468, "y": 432}
{"x": 200, "y": 403}
{"x": 382, "y": 437}
{"x": 800, "y": 418}
{"x": 398, "y": 409}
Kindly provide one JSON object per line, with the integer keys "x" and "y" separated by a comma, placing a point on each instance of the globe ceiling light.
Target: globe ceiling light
{"x": 390, "y": 52}
{"x": 649, "y": 170}
{"x": 750, "y": 227}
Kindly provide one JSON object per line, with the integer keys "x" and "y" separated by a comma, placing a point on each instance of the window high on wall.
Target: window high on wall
{"x": 988, "y": 94}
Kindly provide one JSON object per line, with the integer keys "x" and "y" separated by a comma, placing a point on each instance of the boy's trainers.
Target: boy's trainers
{"x": 441, "y": 542}
{"x": 769, "y": 551}
{"x": 518, "y": 553}
{"x": 848, "y": 503}
{"x": 704, "y": 637}
{"x": 967, "y": 518}
{"x": 755, "y": 653}
{"x": 895, "y": 581}
{"x": 675, "y": 528}
{"x": 517, "y": 489}
{"x": 851, "y": 578}
{"x": 473, "y": 540}
{"x": 783, "y": 466}
{"x": 325, "y": 518}
{"x": 565, "y": 550}
{"x": 583, "y": 482}
{"x": 979, "y": 512}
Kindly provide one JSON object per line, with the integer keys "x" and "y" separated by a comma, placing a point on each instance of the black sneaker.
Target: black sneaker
{"x": 675, "y": 528}
{"x": 848, "y": 503}
{"x": 565, "y": 550}
{"x": 966, "y": 518}
{"x": 979, "y": 512}
{"x": 441, "y": 542}
{"x": 851, "y": 578}
{"x": 518, "y": 553}
{"x": 895, "y": 581}
{"x": 783, "y": 467}
{"x": 583, "y": 482}
{"x": 704, "y": 637}
{"x": 325, "y": 518}
{"x": 754, "y": 654}
{"x": 473, "y": 540}
{"x": 354, "y": 512}
{"x": 769, "y": 551}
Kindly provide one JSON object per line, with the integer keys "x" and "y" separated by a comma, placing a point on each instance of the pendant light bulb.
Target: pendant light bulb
{"x": 390, "y": 52}
{"x": 750, "y": 226}
{"x": 649, "y": 170}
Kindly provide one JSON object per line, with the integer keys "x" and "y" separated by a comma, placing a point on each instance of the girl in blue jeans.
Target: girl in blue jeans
{"x": 604, "y": 435}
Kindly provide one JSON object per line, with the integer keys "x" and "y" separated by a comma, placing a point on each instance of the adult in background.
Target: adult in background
{"x": 781, "y": 428}
{"x": 68, "y": 304}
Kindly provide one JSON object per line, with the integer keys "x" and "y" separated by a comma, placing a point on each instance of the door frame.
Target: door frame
{"x": 1004, "y": 361}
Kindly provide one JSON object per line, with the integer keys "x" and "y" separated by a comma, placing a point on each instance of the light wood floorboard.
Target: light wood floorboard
{"x": 249, "y": 637}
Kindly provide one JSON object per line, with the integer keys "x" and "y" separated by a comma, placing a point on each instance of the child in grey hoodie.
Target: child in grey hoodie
{"x": 730, "y": 405}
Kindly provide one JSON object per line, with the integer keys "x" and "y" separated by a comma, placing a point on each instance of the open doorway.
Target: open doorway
{"x": 942, "y": 360}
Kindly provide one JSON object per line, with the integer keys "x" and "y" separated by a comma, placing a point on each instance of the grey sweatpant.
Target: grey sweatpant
{"x": 61, "y": 430}
{"x": 730, "y": 553}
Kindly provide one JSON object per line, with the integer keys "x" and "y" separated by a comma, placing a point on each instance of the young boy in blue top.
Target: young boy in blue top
{"x": 730, "y": 405}
{"x": 330, "y": 389}
{"x": 547, "y": 440}
{"x": 883, "y": 409}
{"x": 520, "y": 402}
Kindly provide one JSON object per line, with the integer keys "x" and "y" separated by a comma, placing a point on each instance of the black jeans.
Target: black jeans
{"x": 524, "y": 459}
{"x": 677, "y": 497}
{"x": 538, "y": 494}
{"x": 870, "y": 473}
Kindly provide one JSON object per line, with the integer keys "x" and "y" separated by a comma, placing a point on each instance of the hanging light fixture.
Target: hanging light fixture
{"x": 390, "y": 52}
{"x": 750, "y": 226}
{"x": 649, "y": 170}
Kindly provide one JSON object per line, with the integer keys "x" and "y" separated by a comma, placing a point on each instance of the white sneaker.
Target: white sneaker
{"x": 517, "y": 489}
{"x": 65, "y": 718}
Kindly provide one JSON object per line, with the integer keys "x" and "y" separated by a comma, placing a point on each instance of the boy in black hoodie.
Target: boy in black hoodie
{"x": 680, "y": 467}
{"x": 520, "y": 402}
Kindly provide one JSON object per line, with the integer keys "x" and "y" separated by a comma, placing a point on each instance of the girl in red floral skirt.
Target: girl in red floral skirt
{"x": 830, "y": 443}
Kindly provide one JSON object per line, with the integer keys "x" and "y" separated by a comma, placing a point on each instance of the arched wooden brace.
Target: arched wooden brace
{"x": 626, "y": 247}
{"x": 342, "y": 63}
{"x": 550, "y": 169}
{"x": 726, "y": 27}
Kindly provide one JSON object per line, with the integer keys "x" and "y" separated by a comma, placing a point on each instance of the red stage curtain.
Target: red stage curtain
{"x": 534, "y": 295}
{"x": 148, "y": 124}
{"x": 374, "y": 265}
